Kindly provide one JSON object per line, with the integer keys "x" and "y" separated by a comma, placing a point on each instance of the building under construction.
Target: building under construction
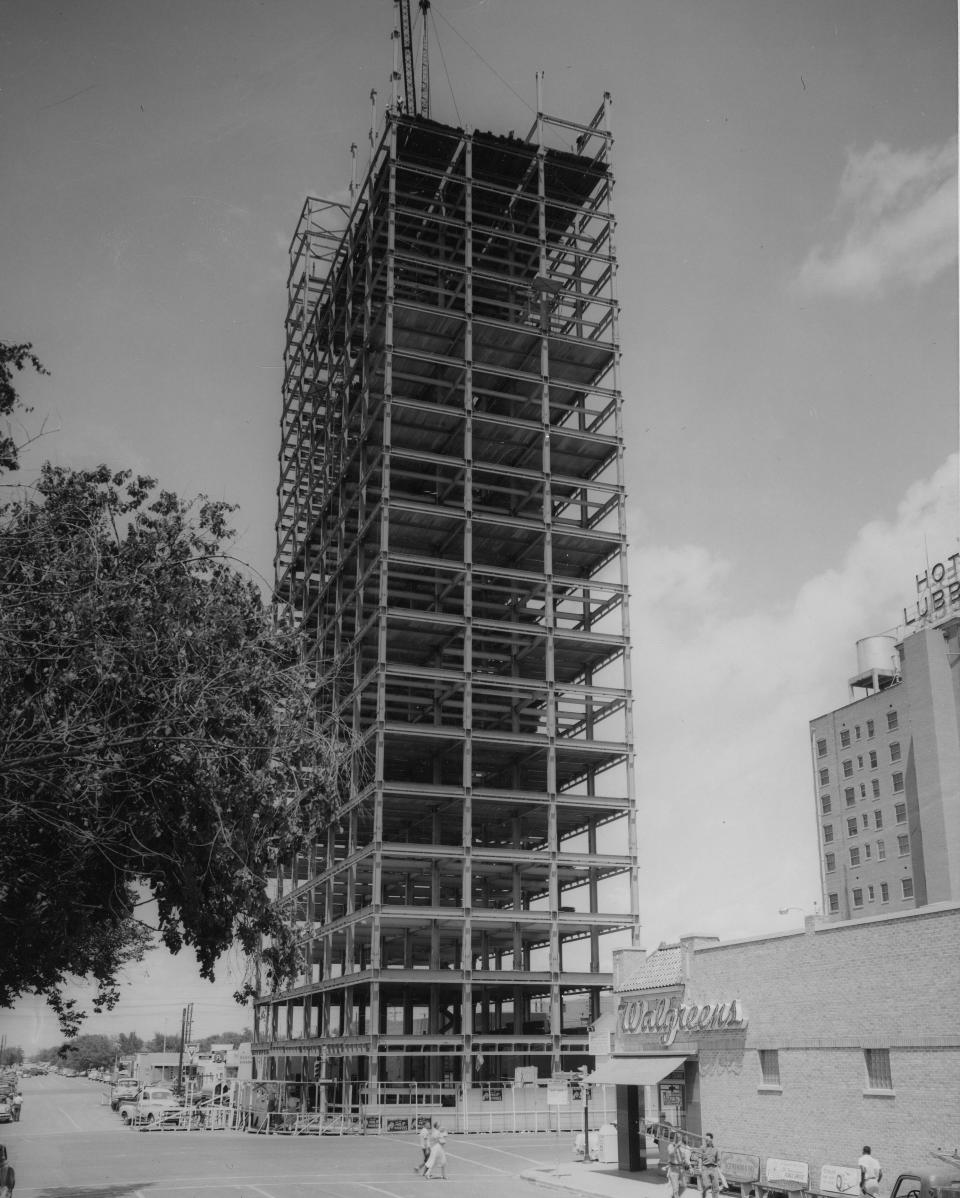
{"x": 452, "y": 536}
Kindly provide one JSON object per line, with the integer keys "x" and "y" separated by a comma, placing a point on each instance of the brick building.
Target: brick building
{"x": 795, "y": 1048}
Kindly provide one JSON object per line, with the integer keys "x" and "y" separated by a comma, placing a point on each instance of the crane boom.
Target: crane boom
{"x": 424, "y": 64}
{"x": 406, "y": 50}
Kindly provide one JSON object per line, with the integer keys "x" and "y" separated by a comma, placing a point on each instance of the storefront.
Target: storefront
{"x": 794, "y": 1049}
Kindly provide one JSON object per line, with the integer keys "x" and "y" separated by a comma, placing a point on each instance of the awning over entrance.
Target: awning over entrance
{"x": 634, "y": 1071}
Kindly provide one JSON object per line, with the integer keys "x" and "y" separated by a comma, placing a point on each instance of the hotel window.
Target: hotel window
{"x": 873, "y": 759}
{"x": 821, "y": 748}
{"x": 770, "y": 1062}
{"x": 881, "y": 851}
{"x": 901, "y": 813}
{"x": 857, "y": 897}
{"x": 867, "y": 851}
{"x": 892, "y": 722}
{"x": 895, "y": 751}
{"x": 878, "y": 819}
{"x": 824, "y": 777}
{"x": 871, "y": 894}
{"x": 825, "y": 804}
{"x": 852, "y": 826}
{"x": 848, "y": 769}
{"x": 850, "y": 795}
{"x": 854, "y": 856}
{"x": 830, "y": 861}
{"x": 876, "y": 788}
{"x": 878, "y": 1068}
{"x": 833, "y": 902}
{"x": 858, "y": 731}
{"x": 845, "y": 738}
{"x": 869, "y": 727}
{"x": 906, "y": 887}
{"x": 865, "y": 820}
{"x": 884, "y": 892}
{"x": 897, "y": 783}
{"x": 903, "y": 846}
{"x": 863, "y": 790}
{"x": 827, "y": 833}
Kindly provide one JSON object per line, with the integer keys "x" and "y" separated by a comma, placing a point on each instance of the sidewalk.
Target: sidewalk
{"x": 590, "y": 1179}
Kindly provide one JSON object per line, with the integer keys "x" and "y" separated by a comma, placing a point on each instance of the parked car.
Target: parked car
{"x": 154, "y": 1104}
{"x": 125, "y": 1089}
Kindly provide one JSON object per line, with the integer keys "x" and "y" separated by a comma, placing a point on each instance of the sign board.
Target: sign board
{"x": 671, "y": 1094}
{"x": 600, "y": 1044}
{"x": 740, "y": 1167}
{"x": 787, "y": 1175}
{"x": 398, "y": 1125}
{"x": 524, "y": 1075}
{"x": 372, "y": 1122}
{"x": 840, "y": 1179}
{"x": 557, "y": 1096}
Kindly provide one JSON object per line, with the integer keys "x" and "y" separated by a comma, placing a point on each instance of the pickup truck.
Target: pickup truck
{"x": 940, "y": 1182}
{"x": 152, "y": 1105}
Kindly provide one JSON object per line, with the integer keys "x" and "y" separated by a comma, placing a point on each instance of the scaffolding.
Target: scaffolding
{"x": 451, "y": 534}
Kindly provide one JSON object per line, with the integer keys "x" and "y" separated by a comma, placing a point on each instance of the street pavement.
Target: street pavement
{"x": 69, "y": 1144}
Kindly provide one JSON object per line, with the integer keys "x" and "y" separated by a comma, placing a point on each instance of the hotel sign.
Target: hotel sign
{"x": 666, "y": 1017}
{"x": 938, "y": 593}
{"x": 788, "y": 1175}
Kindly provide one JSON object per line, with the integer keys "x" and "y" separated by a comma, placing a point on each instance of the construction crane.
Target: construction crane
{"x": 406, "y": 52}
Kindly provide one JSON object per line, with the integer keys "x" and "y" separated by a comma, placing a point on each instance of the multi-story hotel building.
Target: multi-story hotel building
{"x": 452, "y": 537}
{"x": 887, "y": 768}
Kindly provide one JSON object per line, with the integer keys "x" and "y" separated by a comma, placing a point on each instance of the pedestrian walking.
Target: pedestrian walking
{"x": 870, "y": 1173}
{"x": 423, "y": 1136}
{"x": 710, "y": 1167}
{"x": 437, "y": 1158}
{"x": 676, "y": 1165}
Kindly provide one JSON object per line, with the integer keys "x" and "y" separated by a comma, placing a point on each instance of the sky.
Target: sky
{"x": 786, "y": 193}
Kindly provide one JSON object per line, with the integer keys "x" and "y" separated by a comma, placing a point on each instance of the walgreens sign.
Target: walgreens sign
{"x": 667, "y": 1017}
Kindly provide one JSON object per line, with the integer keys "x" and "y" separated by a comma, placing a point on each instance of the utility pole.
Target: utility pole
{"x": 186, "y": 1025}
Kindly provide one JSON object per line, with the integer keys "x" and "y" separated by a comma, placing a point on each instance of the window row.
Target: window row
{"x": 893, "y": 723}
{"x": 896, "y": 779}
{"x": 878, "y": 1075}
{"x": 855, "y": 826}
{"x": 858, "y": 892}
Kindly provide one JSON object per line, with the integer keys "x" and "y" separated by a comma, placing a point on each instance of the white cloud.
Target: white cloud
{"x": 900, "y": 212}
{"x": 723, "y": 702}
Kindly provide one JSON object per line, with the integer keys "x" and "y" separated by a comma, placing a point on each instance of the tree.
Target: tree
{"x": 89, "y": 1052}
{"x": 129, "y": 1043}
{"x": 160, "y": 740}
{"x": 12, "y": 358}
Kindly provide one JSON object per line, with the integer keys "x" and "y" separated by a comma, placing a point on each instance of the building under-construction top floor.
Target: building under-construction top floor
{"x": 452, "y": 536}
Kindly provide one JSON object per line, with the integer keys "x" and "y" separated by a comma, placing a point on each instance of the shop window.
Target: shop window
{"x": 878, "y": 819}
{"x": 903, "y": 846}
{"x": 857, "y": 897}
{"x": 845, "y": 738}
{"x": 892, "y": 722}
{"x": 869, "y": 728}
{"x": 855, "y": 856}
{"x": 884, "y": 892}
{"x": 827, "y": 833}
{"x": 877, "y": 1061}
{"x": 824, "y": 776}
{"x": 830, "y": 861}
{"x": 881, "y": 851}
{"x": 900, "y": 809}
{"x": 848, "y": 768}
{"x": 897, "y": 783}
{"x": 895, "y": 751}
{"x": 833, "y": 902}
{"x": 906, "y": 888}
{"x": 873, "y": 759}
{"x": 850, "y": 795}
{"x": 875, "y": 784}
{"x": 821, "y": 748}
{"x": 770, "y": 1057}
{"x": 852, "y": 826}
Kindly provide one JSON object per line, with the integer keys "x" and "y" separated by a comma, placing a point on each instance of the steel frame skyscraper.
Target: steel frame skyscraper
{"x": 452, "y": 536}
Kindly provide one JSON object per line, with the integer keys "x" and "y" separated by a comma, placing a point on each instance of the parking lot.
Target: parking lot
{"x": 69, "y": 1144}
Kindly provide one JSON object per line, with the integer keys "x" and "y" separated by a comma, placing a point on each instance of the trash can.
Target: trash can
{"x": 608, "y": 1144}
